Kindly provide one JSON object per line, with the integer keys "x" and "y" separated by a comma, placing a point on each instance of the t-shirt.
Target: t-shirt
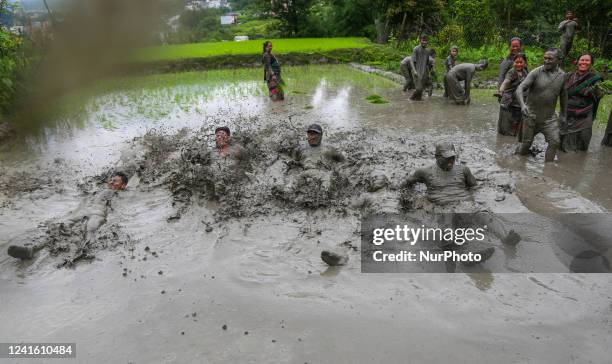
{"x": 445, "y": 187}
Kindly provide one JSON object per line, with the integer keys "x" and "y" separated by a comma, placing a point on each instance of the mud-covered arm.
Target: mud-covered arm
{"x": 470, "y": 180}
{"x": 523, "y": 87}
{"x": 334, "y": 155}
{"x": 418, "y": 176}
{"x": 562, "y": 25}
{"x": 468, "y": 82}
{"x": 507, "y": 80}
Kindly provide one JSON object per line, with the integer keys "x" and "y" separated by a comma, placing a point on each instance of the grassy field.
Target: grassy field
{"x": 281, "y": 46}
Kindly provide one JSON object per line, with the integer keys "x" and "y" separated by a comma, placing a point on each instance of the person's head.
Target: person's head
{"x": 454, "y": 51}
{"x": 482, "y": 64}
{"x": 222, "y": 136}
{"x": 424, "y": 41}
{"x": 585, "y": 62}
{"x": 445, "y": 155}
{"x": 569, "y": 15}
{"x": 314, "y": 135}
{"x": 515, "y": 45}
{"x": 520, "y": 61}
{"x": 267, "y": 46}
{"x": 118, "y": 181}
{"x": 551, "y": 58}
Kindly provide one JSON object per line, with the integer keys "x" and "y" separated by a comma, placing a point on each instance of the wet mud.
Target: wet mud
{"x": 242, "y": 247}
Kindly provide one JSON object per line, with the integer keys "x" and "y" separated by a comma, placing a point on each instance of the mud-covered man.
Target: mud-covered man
{"x": 421, "y": 65}
{"x": 449, "y": 184}
{"x": 92, "y": 213}
{"x": 567, "y": 28}
{"x": 462, "y": 72}
{"x": 446, "y": 182}
{"x": 318, "y": 180}
{"x": 543, "y": 86}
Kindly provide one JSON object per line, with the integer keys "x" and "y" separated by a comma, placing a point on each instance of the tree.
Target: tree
{"x": 293, "y": 14}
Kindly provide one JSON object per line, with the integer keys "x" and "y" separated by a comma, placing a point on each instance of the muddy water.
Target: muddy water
{"x": 261, "y": 275}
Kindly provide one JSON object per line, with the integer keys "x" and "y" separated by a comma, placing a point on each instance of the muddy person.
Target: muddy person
{"x": 272, "y": 73}
{"x": 607, "y": 139}
{"x": 510, "y": 115}
{"x": 420, "y": 67}
{"x": 92, "y": 214}
{"x": 318, "y": 179}
{"x": 462, "y": 72}
{"x": 447, "y": 184}
{"x": 542, "y": 87}
{"x": 567, "y": 28}
{"x": 448, "y": 65}
{"x": 406, "y": 71}
{"x": 583, "y": 95}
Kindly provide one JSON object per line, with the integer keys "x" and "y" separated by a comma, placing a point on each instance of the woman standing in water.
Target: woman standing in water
{"x": 272, "y": 73}
{"x": 510, "y": 110}
{"x": 583, "y": 95}
{"x": 507, "y": 64}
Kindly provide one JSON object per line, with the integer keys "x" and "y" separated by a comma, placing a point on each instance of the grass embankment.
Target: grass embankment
{"x": 250, "y": 47}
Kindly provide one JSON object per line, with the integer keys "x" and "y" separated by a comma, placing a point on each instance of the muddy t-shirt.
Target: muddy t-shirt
{"x": 445, "y": 187}
{"x": 99, "y": 203}
{"x": 232, "y": 160}
{"x": 316, "y": 157}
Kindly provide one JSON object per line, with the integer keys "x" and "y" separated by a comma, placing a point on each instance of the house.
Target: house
{"x": 229, "y": 18}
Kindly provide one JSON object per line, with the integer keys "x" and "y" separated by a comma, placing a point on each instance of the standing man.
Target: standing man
{"x": 420, "y": 68}
{"x": 462, "y": 72}
{"x": 567, "y": 28}
{"x": 406, "y": 71}
{"x": 543, "y": 86}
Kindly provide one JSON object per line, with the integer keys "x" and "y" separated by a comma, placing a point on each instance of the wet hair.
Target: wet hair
{"x": 223, "y": 128}
{"x": 515, "y": 38}
{"x": 265, "y": 45}
{"x": 123, "y": 176}
{"x": 483, "y": 63}
{"x": 556, "y": 51}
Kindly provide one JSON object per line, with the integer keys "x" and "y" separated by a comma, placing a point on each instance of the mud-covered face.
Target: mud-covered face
{"x": 569, "y": 15}
{"x": 424, "y": 43}
{"x": 313, "y": 138}
{"x": 584, "y": 63}
{"x": 515, "y": 46}
{"x": 445, "y": 163}
{"x": 519, "y": 64}
{"x": 550, "y": 60}
{"x": 221, "y": 138}
{"x": 116, "y": 183}
{"x": 454, "y": 52}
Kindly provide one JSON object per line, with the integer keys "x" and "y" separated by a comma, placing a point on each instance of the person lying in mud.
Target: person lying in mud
{"x": 318, "y": 178}
{"x": 542, "y": 87}
{"x": 449, "y": 184}
{"x": 91, "y": 215}
{"x": 462, "y": 72}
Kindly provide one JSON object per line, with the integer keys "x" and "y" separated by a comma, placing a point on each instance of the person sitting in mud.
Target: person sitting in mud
{"x": 91, "y": 214}
{"x": 462, "y": 72}
{"x": 446, "y": 182}
{"x": 319, "y": 179}
{"x": 225, "y": 147}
